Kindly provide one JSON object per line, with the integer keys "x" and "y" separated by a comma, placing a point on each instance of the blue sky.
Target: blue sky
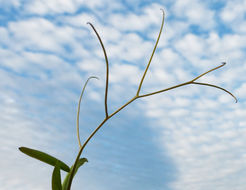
{"x": 193, "y": 137}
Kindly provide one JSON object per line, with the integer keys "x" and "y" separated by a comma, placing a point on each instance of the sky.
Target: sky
{"x": 192, "y": 137}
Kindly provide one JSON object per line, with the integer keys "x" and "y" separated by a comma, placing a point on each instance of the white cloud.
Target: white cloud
{"x": 179, "y": 112}
{"x": 241, "y": 91}
{"x": 78, "y": 20}
{"x": 131, "y": 47}
{"x": 39, "y": 34}
{"x": 192, "y": 47}
{"x": 203, "y": 155}
{"x": 126, "y": 74}
{"x": 151, "y": 16}
{"x": 196, "y": 12}
{"x": 197, "y": 152}
{"x": 201, "y": 142}
{"x": 34, "y": 33}
{"x": 10, "y": 3}
{"x": 17, "y": 129}
{"x": 92, "y": 66}
{"x": 134, "y": 22}
{"x": 233, "y": 14}
{"x": 233, "y": 11}
{"x": 4, "y": 36}
{"x": 51, "y": 7}
{"x": 172, "y": 31}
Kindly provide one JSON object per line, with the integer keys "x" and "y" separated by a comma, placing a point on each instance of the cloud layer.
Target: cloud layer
{"x": 189, "y": 138}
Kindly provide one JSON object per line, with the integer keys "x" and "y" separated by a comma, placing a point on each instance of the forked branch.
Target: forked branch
{"x": 193, "y": 82}
{"x": 137, "y": 96}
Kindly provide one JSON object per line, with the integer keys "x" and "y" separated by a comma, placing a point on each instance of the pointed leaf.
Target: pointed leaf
{"x": 56, "y": 178}
{"x": 80, "y": 163}
{"x": 44, "y": 157}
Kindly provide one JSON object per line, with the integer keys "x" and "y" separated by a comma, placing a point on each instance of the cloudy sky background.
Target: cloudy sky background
{"x": 193, "y": 137}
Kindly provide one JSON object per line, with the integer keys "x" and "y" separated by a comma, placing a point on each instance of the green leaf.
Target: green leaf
{"x": 44, "y": 158}
{"x": 80, "y": 163}
{"x": 56, "y": 178}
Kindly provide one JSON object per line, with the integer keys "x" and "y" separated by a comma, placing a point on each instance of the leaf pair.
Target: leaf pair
{"x": 56, "y": 176}
{"x": 58, "y": 165}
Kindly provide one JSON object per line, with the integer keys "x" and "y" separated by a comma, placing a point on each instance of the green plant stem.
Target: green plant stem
{"x": 187, "y": 83}
{"x": 223, "y": 64}
{"x": 211, "y": 85}
{"x": 193, "y": 82}
{"x": 153, "y": 52}
{"x": 107, "y": 69}
{"x": 92, "y": 134}
{"x": 166, "y": 89}
{"x": 137, "y": 97}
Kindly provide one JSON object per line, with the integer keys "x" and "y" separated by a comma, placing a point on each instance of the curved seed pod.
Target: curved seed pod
{"x": 107, "y": 69}
{"x": 212, "y": 85}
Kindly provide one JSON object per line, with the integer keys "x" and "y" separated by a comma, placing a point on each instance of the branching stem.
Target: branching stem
{"x": 141, "y": 96}
{"x": 192, "y": 82}
{"x": 89, "y": 138}
{"x": 137, "y": 96}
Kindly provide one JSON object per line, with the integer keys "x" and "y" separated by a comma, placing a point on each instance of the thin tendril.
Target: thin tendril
{"x": 80, "y": 98}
